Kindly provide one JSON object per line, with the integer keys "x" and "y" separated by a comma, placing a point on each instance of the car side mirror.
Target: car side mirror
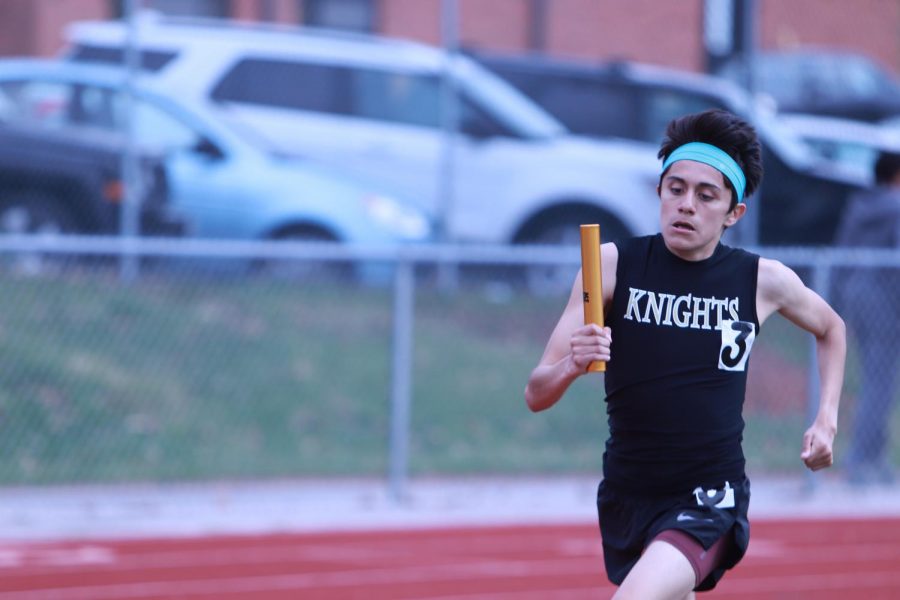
{"x": 207, "y": 148}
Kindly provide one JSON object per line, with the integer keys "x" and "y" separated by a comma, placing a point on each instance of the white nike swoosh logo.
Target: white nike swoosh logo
{"x": 687, "y": 517}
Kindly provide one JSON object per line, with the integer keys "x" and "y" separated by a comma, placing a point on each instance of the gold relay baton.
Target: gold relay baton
{"x": 592, "y": 282}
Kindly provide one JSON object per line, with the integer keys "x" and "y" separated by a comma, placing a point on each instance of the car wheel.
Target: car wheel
{"x": 35, "y": 214}
{"x": 318, "y": 271}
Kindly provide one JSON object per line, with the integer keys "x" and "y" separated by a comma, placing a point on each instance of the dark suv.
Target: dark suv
{"x": 802, "y": 197}
{"x": 822, "y": 81}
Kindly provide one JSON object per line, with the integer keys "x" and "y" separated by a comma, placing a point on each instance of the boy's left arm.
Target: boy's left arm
{"x": 780, "y": 289}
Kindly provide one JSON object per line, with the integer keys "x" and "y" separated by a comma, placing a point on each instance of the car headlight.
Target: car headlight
{"x": 394, "y": 216}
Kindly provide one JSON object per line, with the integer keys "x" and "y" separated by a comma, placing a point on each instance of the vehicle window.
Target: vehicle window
{"x": 93, "y": 107}
{"x": 662, "y": 105}
{"x": 597, "y": 108}
{"x": 787, "y": 83}
{"x": 57, "y": 105}
{"x": 153, "y": 126}
{"x": 520, "y": 115}
{"x": 34, "y": 102}
{"x": 858, "y": 155}
{"x": 60, "y": 104}
{"x": 282, "y": 84}
{"x": 475, "y": 122}
{"x": 796, "y": 80}
{"x": 150, "y": 60}
{"x": 397, "y": 97}
{"x": 585, "y": 107}
{"x": 406, "y": 98}
{"x": 853, "y": 77}
{"x": 107, "y": 108}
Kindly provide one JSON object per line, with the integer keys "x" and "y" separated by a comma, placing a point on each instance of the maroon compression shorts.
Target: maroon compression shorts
{"x": 703, "y": 561}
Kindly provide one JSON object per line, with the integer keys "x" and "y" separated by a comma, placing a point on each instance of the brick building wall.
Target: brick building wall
{"x": 33, "y": 27}
{"x": 657, "y": 31}
{"x": 871, "y": 27}
{"x": 647, "y": 30}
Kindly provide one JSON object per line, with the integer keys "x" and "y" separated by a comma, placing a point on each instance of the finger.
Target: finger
{"x": 807, "y": 449}
{"x": 820, "y": 458}
{"x": 589, "y": 343}
{"x": 586, "y": 353}
{"x": 592, "y": 329}
{"x": 584, "y": 358}
{"x": 819, "y": 465}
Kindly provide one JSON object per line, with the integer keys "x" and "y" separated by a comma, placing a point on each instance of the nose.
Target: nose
{"x": 686, "y": 203}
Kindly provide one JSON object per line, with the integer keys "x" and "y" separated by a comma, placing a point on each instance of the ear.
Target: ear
{"x": 735, "y": 214}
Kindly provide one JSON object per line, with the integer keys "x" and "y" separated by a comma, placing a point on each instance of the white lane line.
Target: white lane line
{"x": 304, "y": 581}
{"x": 852, "y": 581}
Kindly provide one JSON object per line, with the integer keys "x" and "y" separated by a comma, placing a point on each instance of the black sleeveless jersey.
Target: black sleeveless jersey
{"x": 682, "y": 333}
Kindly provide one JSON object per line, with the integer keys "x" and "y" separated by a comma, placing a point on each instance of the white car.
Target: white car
{"x": 375, "y": 107}
{"x": 854, "y": 145}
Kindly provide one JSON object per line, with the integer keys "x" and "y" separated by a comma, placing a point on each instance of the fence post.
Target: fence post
{"x": 401, "y": 377}
{"x": 131, "y": 174}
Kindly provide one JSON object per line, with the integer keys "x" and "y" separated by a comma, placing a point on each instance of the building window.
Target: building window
{"x": 355, "y": 15}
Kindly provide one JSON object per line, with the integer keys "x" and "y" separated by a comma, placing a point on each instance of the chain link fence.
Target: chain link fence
{"x": 200, "y": 370}
{"x": 184, "y": 360}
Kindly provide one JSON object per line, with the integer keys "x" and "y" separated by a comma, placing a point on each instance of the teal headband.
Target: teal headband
{"x": 714, "y": 157}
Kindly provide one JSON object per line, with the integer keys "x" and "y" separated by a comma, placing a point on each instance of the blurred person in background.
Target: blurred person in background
{"x": 685, "y": 310}
{"x": 870, "y": 298}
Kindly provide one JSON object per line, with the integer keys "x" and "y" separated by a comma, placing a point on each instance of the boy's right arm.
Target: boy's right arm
{"x": 572, "y": 345}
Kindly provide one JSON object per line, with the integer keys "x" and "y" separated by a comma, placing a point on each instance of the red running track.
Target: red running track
{"x": 821, "y": 559}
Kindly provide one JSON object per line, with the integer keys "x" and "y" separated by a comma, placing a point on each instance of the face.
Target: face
{"x": 694, "y": 209}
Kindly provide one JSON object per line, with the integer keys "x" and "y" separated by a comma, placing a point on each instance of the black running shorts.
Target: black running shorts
{"x": 629, "y": 522}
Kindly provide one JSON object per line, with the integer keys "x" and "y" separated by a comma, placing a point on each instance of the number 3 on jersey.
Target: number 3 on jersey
{"x": 737, "y": 339}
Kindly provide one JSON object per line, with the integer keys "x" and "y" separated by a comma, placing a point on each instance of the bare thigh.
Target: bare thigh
{"x": 662, "y": 573}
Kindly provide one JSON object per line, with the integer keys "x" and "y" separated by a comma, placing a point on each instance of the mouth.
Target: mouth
{"x": 682, "y": 226}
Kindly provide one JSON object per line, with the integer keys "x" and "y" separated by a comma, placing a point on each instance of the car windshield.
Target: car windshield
{"x": 174, "y": 125}
{"x": 507, "y": 104}
{"x": 49, "y": 103}
{"x": 793, "y": 78}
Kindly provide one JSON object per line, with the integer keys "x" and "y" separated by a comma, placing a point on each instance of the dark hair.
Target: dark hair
{"x": 886, "y": 167}
{"x": 726, "y": 131}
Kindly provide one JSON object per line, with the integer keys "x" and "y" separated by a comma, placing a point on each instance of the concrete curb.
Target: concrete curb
{"x": 316, "y": 505}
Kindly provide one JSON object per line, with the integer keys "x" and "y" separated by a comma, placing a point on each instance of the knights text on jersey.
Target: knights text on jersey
{"x": 682, "y": 336}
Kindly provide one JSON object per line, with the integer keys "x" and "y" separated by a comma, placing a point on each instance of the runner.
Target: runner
{"x": 682, "y": 313}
